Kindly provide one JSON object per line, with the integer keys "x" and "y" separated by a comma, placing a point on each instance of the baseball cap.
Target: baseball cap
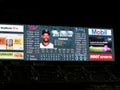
{"x": 45, "y": 31}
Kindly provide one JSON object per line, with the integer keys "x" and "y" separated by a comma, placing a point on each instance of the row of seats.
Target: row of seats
{"x": 28, "y": 73}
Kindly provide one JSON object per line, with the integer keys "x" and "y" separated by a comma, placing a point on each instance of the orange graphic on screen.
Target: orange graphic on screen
{"x": 18, "y": 55}
{"x": 2, "y": 41}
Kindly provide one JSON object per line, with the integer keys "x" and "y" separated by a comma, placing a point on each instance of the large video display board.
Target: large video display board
{"x": 55, "y": 43}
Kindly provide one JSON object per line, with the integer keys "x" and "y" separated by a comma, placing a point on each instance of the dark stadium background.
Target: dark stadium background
{"x": 67, "y": 74}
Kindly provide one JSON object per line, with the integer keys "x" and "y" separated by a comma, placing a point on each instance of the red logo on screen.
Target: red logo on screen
{"x": 15, "y": 28}
{"x": 32, "y": 27}
{"x": 101, "y": 57}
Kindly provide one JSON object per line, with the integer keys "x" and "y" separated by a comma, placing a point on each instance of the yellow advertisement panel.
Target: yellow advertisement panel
{"x": 18, "y": 41}
{"x": 11, "y": 55}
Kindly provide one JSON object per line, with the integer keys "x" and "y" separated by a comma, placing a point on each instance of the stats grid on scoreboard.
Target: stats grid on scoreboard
{"x": 55, "y": 43}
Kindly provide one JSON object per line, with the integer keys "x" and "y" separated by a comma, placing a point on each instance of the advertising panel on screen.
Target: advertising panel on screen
{"x": 55, "y": 43}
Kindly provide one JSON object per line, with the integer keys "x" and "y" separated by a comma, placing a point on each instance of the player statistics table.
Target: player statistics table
{"x": 55, "y": 43}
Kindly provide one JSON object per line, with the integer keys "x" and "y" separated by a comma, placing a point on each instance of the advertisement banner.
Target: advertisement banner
{"x": 11, "y": 55}
{"x": 11, "y": 41}
{"x": 12, "y": 28}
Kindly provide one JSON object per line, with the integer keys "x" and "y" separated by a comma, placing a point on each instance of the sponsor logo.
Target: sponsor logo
{"x": 99, "y": 32}
{"x": 101, "y": 57}
{"x": 11, "y": 55}
{"x": 12, "y": 28}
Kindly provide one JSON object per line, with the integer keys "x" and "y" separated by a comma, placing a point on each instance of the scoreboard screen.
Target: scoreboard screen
{"x": 55, "y": 43}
